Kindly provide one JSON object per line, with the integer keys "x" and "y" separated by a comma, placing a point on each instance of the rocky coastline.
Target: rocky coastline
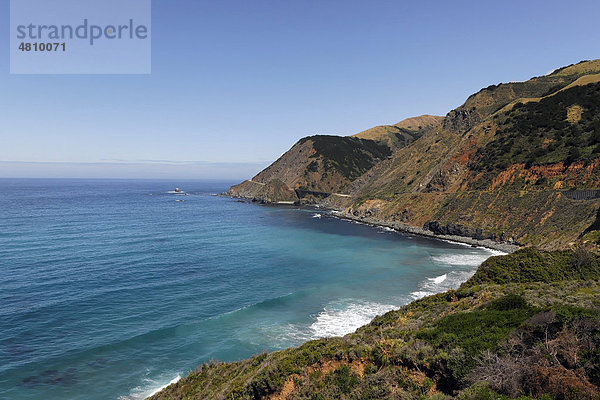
{"x": 413, "y": 230}
{"x": 432, "y": 229}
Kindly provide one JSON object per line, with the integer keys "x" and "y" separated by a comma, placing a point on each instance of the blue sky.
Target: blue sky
{"x": 235, "y": 83}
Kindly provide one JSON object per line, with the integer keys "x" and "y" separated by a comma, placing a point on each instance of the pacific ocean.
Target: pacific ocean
{"x": 111, "y": 289}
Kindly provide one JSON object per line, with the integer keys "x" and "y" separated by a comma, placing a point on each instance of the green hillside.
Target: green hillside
{"x": 540, "y": 132}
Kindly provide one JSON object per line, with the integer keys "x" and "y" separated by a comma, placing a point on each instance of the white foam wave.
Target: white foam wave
{"x": 454, "y": 278}
{"x": 317, "y": 215}
{"x": 420, "y": 294}
{"x": 438, "y": 279}
{"x": 472, "y": 260}
{"x": 282, "y": 336}
{"x": 150, "y": 388}
{"x": 460, "y": 259}
{"x": 339, "y": 320}
{"x": 450, "y": 280}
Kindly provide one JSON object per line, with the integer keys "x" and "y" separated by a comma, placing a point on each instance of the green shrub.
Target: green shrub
{"x": 350, "y": 156}
{"x": 591, "y": 361}
{"x": 507, "y": 303}
{"x": 343, "y": 378}
{"x": 569, "y": 313}
{"x": 532, "y": 265}
{"x": 475, "y": 331}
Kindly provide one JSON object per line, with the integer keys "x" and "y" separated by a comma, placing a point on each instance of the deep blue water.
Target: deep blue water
{"x": 111, "y": 289}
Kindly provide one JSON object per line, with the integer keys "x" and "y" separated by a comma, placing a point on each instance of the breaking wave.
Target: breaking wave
{"x": 345, "y": 317}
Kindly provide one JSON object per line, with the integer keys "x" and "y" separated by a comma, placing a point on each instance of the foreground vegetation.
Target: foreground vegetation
{"x": 526, "y": 325}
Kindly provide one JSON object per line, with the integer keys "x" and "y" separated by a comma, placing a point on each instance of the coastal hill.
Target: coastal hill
{"x": 321, "y": 165}
{"x": 403, "y": 133}
{"x": 517, "y": 163}
{"x": 318, "y": 165}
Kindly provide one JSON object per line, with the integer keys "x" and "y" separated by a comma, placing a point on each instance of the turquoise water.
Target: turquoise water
{"x": 112, "y": 289}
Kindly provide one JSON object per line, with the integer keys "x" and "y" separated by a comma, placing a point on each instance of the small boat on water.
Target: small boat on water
{"x": 177, "y": 191}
